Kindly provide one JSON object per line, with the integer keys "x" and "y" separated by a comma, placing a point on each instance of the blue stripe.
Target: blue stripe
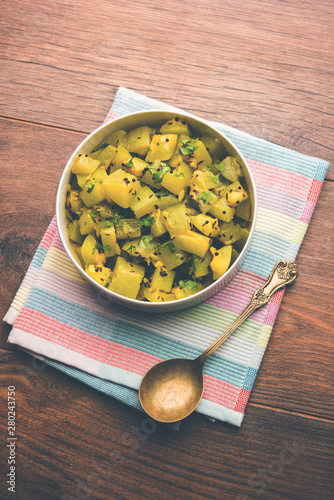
{"x": 130, "y": 335}
{"x": 38, "y": 258}
{"x": 258, "y": 263}
{"x": 269, "y": 244}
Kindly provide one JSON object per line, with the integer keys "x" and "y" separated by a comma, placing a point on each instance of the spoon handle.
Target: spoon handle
{"x": 282, "y": 274}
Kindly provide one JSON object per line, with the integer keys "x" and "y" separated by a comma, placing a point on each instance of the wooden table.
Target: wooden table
{"x": 263, "y": 66}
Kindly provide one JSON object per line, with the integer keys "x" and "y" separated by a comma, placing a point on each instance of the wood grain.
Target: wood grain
{"x": 263, "y": 66}
{"x": 267, "y": 458}
{"x": 267, "y": 74}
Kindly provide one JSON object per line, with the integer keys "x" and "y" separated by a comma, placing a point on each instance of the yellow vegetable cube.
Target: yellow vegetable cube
{"x": 162, "y": 147}
{"x": 220, "y": 261}
{"x": 162, "y": 279}
{"x": 121, "y": 187}
{"x": 222, "y": 210}
{"x": 138, "y": 140}
{"x": 177, "y": 180}
{"x": 109, "y": 242}
{"x": 192, "y": 242}
{"x": 157, "y": 295}
{"x": 84, "y": 164}
{"x": 92, "y": 252}
{"x": 144, "y": 202}
{"x": 99, "y": 273}
{"x": 176, "y": 219}
{"x": 206, "y": 224}
{"x": 92, "y": 192}
{"x": 127, "y": 278}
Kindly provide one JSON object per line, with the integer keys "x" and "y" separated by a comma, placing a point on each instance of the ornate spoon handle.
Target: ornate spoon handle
{"x": 282, "y": 274}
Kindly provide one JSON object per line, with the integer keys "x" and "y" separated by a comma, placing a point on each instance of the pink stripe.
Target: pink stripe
{"x": 308, "y": 211}
{"x": 280, "y": 179}
{"x": 110, "y": 353}
{"x": 49, "y": 235}
{"x": 89, "y": 345}
{"x": 111, "y": 116}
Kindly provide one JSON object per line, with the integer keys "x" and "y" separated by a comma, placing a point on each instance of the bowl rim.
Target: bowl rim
{"x": 185, "y": 302}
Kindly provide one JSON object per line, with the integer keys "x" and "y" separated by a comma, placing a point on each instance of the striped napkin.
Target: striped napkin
{"x": 58, "y": 317}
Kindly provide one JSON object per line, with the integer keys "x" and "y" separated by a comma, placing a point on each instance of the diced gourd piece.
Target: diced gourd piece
{"x": 230, "y": 232}
{"x": 82, "y": 179}
{"x": 104, "y": 210}
{"x": 141, "y": 247}
{"x": 219, "y": 190}
{"x": 74, "y": 201}
{"x": 158, "y": 227}
{"x": 121, "y": 187}
{"x": 196, "y": 153}
{"x": 175, "y": 126}
{"x": 109, "y": 241}
{"x": 222, "y": 210}
{"x": 235, "y": 194}
{"x": 106, "y": 156}
{"x": 127, "y": 278}
{"x": 231, "y": 169}
{"x": 84, "y": 165}
{"x": 73, "y": 231}
{"x": 99, "y": 273}
{"x": 205, "y": 179}
{"x": 116, "y": 138}
{"x": 92, "y": 251}
{"x": 242, "y": 240}
{"x": 162, "y": 147}
{"x": 93, "y": 192}
{"x": 96, "y": 153}
{"x": 244, "y": 210}
{"x": 157, "y": 295}
{"x": 86, "y": 223}
{"x": 167, "y": 200}
{"x": 137, "y": 166}
{"x": 221, "y": 260}
{"x": 169, "y": 256}
{"x": 162, "y": 279}
{"x": 201, "y": 266}
{"x": 154, "y": 173}
{"x": 205, "y": 199}
{"x": 213, "y": 145}
{"x": 77, "y": 254}
{"x": 176, "y": 219}
{"x": 186, "y": 288}
{"x": 144, "y": 202}
{"x": 121, "y": 159}
{"x": 127, "y": 229}
{"x": 178, "y": 180}
{"x": 206, "y": 224}
{"x": 192, "y": 242}
{"x": 138, "y": 140}
{"x": 234, "y": 256}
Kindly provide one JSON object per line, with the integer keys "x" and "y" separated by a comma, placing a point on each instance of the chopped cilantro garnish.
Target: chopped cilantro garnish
{"x": 205, "y": 197}
{"x": 215, "y": 179}
{"x": 195, "y": 262}
{"x": 90, "y": 187}
{"x": 131, "y": 249}
{"x": 179, "y": 175}
{"x": 188, "y": 285}
{"x": 146, "y": 241}
{"x": 158, "y": 173}
{"x": 161, "y": 194}
{"x": 186, "y": 148}
{"x": 117, "y": 219}
{"x": 169, "y": 245}
{"x": 97, "y": 247}
{"x": 107, "y": 248}
{"x": 148, "y": 220}
{"x": 130, "y": 163}
{"x": 218, "y": 166}
{"x": 97, "y": 180}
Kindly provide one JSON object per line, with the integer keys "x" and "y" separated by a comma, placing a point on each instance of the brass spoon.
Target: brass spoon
{"x": 172, "y": 389}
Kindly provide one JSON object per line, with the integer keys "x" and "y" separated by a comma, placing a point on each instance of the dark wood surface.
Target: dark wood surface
{"x": 264, "y": 66}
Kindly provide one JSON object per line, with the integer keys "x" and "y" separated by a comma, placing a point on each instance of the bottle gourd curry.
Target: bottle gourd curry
{"x": 157, "y": 214}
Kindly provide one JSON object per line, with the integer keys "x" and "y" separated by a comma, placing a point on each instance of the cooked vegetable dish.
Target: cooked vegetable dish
{"x": 157, "y": 214}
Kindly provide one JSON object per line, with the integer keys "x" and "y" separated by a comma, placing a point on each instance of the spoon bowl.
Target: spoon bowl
{"x": 172, "y": 389}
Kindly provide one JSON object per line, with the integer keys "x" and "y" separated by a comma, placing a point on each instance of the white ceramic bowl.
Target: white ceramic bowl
{"x": 128, "y": 122}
